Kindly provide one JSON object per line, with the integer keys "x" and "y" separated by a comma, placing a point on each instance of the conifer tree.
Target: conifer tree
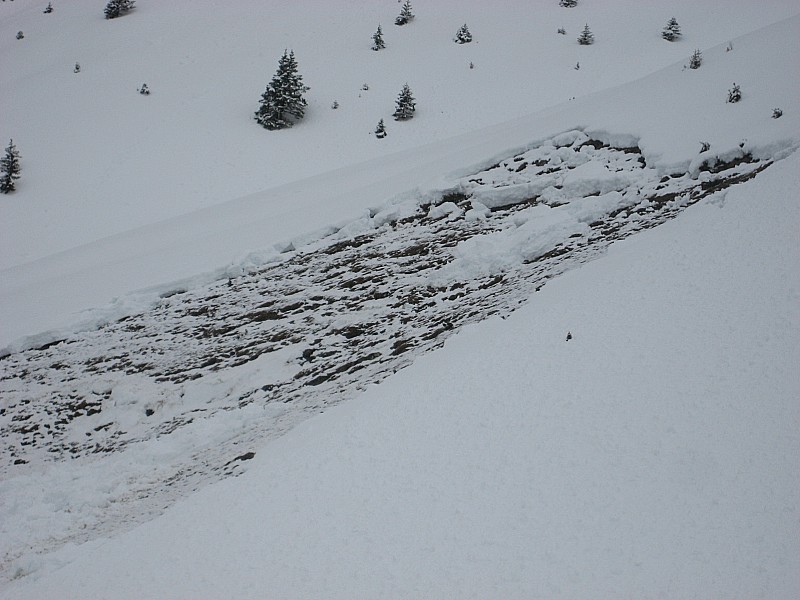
{"x": 405, "y": 105}
{"x": 377, "y": 40}
{"x": 695, "y": 60}
{"x": 282, "y": 103}
{"x": 734, "y": 94}
{"x": 586, "y": 36}
{"x": 405, "y": 15}
{"x": 380, "y": 130}
{"x": 118, "y": 8}
{"x": 20, "y": 35}
{"x": 463, "y": 36}
{"x": 9, "y": 168}
{"x": 49, "y": 8}
{"x": 672, "y": 31}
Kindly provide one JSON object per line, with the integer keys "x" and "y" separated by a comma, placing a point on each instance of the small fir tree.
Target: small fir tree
{"x": 20, "y": 35}
{"x": 568, "y": 3}
{"x": 405, "y": 16}
{"x": 118, "y": 8}
{"x": 77, "y": 68}
{"x": 562, "y": 31}
{"x": 377, "y": 40}
{"x": 672, "y": 31}
{"x": 405, "y": 105}
{"x": 9, "y": 169}
{"x": 734, "y": 94}
{"x": 144, "y": 90}
{"x": 586, "y": 37}
{"x": 463, "y": 36}
{"x": 380, "y": 130}
{"x": 49, "y": 8}
{"x": 282, "y": 103}
{"x": 695, "y": 60}
{"x": 777, "y": 113}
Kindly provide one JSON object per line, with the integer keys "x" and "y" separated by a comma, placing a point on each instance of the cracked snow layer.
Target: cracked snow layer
{"x": 142, "y": 411}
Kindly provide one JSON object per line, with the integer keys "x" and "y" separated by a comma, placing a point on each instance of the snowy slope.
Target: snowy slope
{"x": 67, "y": 242}
{"x": 650, "y": 456}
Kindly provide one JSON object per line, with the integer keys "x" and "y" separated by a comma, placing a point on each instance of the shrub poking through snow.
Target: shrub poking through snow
{"x": 695, "y": 60}
{"x": 463, "y": 36}
{"x": 20, "y": 35}
{"x": 144, "y": 90}
{"x": 734, "y": 94}
{"x": 562, "y": 31}
{"x": 380, "y": 130}
{"x": 704, "y": 147}
{"x": 377, "y": 40}
{"x": 672, "y": 31}
{"x": 568, "y": 3}
{"x": 118, "y": 8}
{"x": 9, "y": 169}
{"x": 335, "y": 105}
{"x": 777, "y": 113}
{"x": 405, "y": 16}
{"x": 586, "y": 37}
{"x": 405, "y": 105}
{"x": 49, "y": 8}
{"x": 282, "y": 103}
{"x": 77, "y": 68}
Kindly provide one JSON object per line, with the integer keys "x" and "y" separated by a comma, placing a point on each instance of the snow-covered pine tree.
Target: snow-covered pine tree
{"x": 568, "y": 3}
{"x": 377, "y": 40}
{"x": 672, "y": 30}
{"x": 380, "y": 130}
{"x": 405, "y": 105}
{"x": 20, "y": 35}
{"x": 405, "y": 15}
{"x": 734, "y": 94}
{"x": 586, "y": 37}
{"x": 282, "y": 103}
{"x": 695, "y": 60}
{"x": 463, "y": 36}
{"x": 49, "y": 8}
{"x": 10, "y": 169}
{"x": 118, "y": 8}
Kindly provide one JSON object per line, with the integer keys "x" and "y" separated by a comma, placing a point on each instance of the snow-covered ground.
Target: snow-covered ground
{"x": 652, "y": 455}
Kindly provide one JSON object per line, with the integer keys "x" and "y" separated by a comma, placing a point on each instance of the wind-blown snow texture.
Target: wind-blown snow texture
{"x": 651, "y": 455}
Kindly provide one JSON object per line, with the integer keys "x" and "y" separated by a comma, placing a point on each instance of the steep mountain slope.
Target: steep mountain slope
{"x": 650, "y": 455}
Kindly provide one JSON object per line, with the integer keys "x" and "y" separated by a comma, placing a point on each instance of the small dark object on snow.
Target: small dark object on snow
{"x": 149, "y": 412}
{"x": 77, "y": 68}
{"x": 49, "y": 8}
{"x": 777, "y": 113}
{"x": 569, "y": 336}
{"x": 144, "y": 90}
{"x": 705, "y": 146}
{"x": 20, "y": 35}
{"x": 308, "y": 355}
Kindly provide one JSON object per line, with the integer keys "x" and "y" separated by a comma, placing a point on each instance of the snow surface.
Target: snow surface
{"x": 105, "y": 207}
{"x": 653, "y": 455}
